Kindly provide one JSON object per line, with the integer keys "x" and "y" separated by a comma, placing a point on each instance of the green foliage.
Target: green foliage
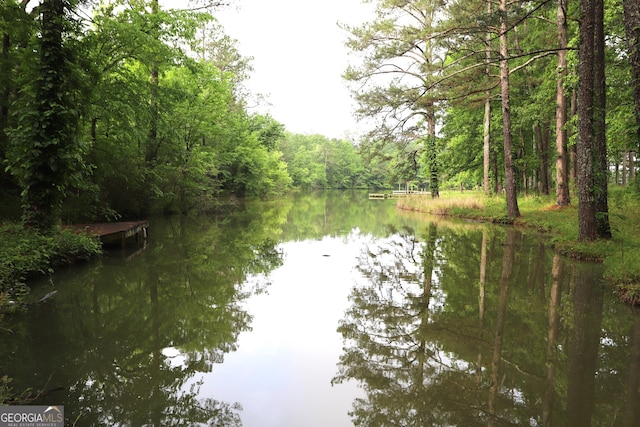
{"x": 45, "y": 152}
{"x": 25, "y": 253}
{"x": 92, "y": 128}
{"x": 314, "y": 161}
{"x": 92, "y": 149}
{"x": 70, "y": 247}
{"x": 624, "y": 205}
{"x": 634, "y": 187}
{"x": 268, "y": 130}
{"x": 431, "y": 160}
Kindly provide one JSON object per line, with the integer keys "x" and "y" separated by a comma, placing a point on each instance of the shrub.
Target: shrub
{"x": 71, "y": 246}
{"x": 25, "y": 253}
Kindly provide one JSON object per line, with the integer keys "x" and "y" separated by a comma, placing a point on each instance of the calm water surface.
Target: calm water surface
{"x": 328, "y": 309}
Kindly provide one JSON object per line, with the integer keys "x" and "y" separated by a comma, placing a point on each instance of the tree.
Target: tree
{"x": 46, "y": 150}
{"x": 268, "y": 129}
{"x": 586, "y": 207}
{"x": 152, "y": 142}
{"x": 509, "y": 174}
{"x": 431, "y": 152}
{"x": 114, "y": 116}
{"x": 314, "y": 161}
{"x": 601, "y": 161}
{"x": 593, "y": 221}
{"x": 222, "y": 51}
{"x": 17, "y": 57}
{"x": 562, "y": 177}
{"x": 486, "y": 136}
{"x": 396, "y": 78}
{"x": 632, "y": 29}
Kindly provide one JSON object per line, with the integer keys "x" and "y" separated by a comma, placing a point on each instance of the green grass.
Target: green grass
{"x": 561, "y": 226}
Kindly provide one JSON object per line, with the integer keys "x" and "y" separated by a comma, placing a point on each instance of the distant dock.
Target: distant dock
{"x": 395, "y": 193}
{"x": 114, "y": 232}
{"x": 374, "y": 196}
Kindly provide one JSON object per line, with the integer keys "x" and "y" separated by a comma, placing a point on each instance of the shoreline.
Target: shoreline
{"x": 540, "y": 213}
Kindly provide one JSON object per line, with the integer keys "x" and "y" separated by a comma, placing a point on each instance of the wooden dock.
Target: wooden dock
{"x": 378, "y": 196}
{"x": 395, "y": 194}
{"x": 114, "y": 232}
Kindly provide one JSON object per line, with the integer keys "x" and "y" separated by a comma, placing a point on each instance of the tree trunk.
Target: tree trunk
{"x": 522, "y": 152}
{"x": 486, "y": 158}
{"x": 5, "y": 68}
{"x": 624, "y": 168}
{"x": 151, "y": 152}
{"x": 573, "y": 150}
{"x": 487, "y": 113}
{"x": 587, "y": 228}
{"x": 617, "y": 173}
{"x": 562, "y": 187}
{"x": 496, "y": 178}
{"x": 543, "y": 146}
{"x": 632, "y": 28}
{"x": 44, "y": 189}
{"x": 434, "y": 179}
{"x": 509, "y": 175}
{"x": 432, "y": 153}
{"x": 546, "y": 132}
{"x": 601, "y": 159}
{"x": 5, "y": 96}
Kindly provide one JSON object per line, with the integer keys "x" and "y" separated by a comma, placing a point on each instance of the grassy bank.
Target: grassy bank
{"x": 561, "y": 226}
{"x": 25, "y": 254}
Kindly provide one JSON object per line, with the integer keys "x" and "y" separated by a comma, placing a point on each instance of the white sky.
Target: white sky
{"x": 299, "y": 57}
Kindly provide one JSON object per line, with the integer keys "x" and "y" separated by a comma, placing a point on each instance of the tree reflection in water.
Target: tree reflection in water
{"x": 447, "y": 324}
{"x": 464, "y": 327}
{"x": 129, "y": 341}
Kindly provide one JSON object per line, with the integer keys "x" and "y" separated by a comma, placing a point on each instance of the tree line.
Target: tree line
{"x": 501, "y": 79}
{"x": 118, "y": 108}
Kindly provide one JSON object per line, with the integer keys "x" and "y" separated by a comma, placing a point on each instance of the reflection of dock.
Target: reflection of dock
{"x": 122, "y": 256}
{"x": 114, "y": 232}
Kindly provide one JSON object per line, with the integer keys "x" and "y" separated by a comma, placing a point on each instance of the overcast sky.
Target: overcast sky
{"x": 299, "y": 57}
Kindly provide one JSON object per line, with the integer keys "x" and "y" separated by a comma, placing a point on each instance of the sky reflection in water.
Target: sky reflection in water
{"x": 281, "y": 373}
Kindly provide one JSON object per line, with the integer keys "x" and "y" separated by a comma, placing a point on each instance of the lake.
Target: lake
{"x": 328, "y": 309}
